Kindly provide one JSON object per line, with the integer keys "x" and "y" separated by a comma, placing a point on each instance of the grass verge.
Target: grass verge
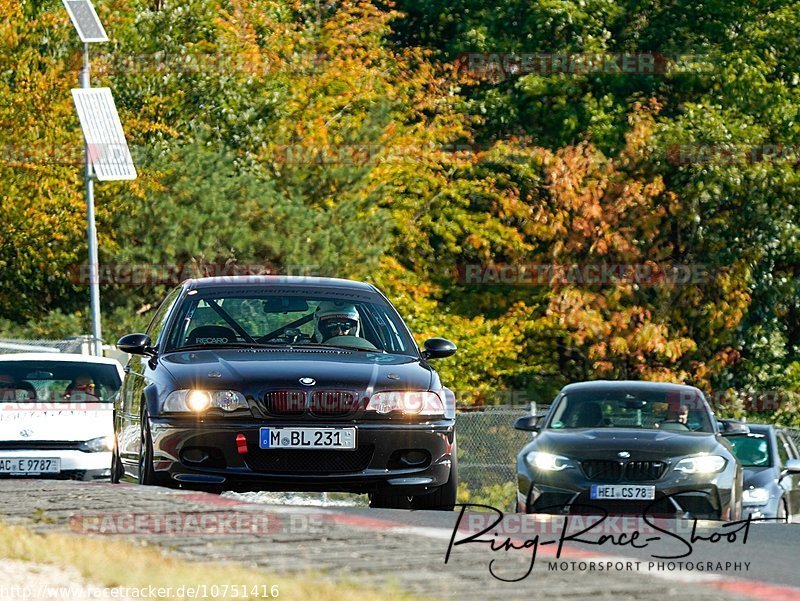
{"x": 110, "y": 563}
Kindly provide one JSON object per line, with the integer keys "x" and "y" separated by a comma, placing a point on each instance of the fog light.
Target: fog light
{"x": 195, "y": 455}
{"x": 412, "y": 458}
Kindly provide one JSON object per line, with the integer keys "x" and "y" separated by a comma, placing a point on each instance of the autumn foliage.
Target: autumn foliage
{"x": 341, "y": 139}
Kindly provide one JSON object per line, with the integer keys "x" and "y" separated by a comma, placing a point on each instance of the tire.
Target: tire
{"x": 387, "y": 499}
{"x": 783, "y": 515}
{"x": 117, "y": 470}
{"x": 444, "y": 497}
{"x": 147, "y": 475}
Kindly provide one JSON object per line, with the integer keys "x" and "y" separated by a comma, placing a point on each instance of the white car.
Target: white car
{"x": 57, "y": 415}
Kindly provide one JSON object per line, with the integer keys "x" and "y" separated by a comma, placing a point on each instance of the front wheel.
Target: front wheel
{"x": 147, "y": 475}
{"x": 444, "y": 497}
{"x": 117, "y": 470}
{"x": 783, "y": 515}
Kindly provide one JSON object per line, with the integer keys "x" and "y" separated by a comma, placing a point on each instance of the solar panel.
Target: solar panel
{"x": 102, "y": 130}
{"x": 85, "y": 20}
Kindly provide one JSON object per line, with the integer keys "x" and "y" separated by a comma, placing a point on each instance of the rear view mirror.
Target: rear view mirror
{"x": 39, "y": 375}
{"x": 527, "y": 423}
{"x": 285, "y": 304}
{"x": 438, "y": 348}
{"x": 792, "y": 467}
{"x": 732, "y": 427}
{"x": 135, "y": 344}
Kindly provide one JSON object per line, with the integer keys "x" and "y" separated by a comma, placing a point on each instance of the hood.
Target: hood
{"x": 760, "y": 477}
{"x": 18, "y": 424}
{"x": 605, "y": 443}
{"x": 263, "y": 369}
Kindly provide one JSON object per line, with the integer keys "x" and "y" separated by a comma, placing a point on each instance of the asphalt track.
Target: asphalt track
{"x": 408, "y": 550}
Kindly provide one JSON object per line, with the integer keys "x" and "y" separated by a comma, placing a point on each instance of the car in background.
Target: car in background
{"x": 287, "y": 383}
{"x": 771, "y": 472}
{"x": 56, "y": 415}
{"x": 626, "y": 448}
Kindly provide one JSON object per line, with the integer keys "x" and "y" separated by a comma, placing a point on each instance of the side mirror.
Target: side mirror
{"x": 732, "y": 427}
{"x": 527, "y": 423}
{"x": 792, "y": 467}
{"x": 136, "y": 344}
{"x": 438, "y": 348}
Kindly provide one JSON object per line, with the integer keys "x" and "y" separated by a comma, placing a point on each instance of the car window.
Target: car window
{"x": 161, "y": 317}
{"x": 57, "y": 381}
{"x": 752, "y": 450}
{"x": 214, "y": 318}
{"x": 635, "y": 408}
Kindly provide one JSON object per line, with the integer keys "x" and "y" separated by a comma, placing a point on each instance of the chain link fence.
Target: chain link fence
{"x": 80, "y": 345}
{"x": 794, "y": 434}
{"x": 488, "y": 446}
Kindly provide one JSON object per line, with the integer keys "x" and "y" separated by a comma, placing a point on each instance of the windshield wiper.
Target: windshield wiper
{"x": 345, "y": 347}
{"x": 211, "y": 347}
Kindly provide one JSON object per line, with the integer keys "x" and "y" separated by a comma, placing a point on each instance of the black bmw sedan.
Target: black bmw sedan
{"x": 629, "y": 448}
{"x": 287, "y": 383}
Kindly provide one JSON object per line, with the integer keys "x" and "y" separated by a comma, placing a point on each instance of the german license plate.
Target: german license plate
{"x": 625, "y": 492}
{"x": 308, "y": 438}
{"x": 29, "y": 466}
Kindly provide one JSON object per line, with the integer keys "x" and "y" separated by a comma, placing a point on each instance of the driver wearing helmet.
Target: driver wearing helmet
{"x": 335, "y": 319}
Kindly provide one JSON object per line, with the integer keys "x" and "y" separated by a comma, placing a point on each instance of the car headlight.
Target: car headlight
{"x": 548, "y": 462}
{"x": 755, "y": 496}
{"x": 408, "y": 402}
{"x": 701, "y": 464}
{"x": 98, "y": 445}
{"x": 197, "y": 401}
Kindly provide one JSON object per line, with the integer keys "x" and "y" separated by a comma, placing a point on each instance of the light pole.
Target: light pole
{"x": 91, "y": 228}
{"x": 106, "y": 151}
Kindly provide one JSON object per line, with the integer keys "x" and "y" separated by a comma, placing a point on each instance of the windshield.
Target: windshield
{"x": 289, "y": 320}
{"x": 57, "y": 382}
{"x": 674, "y": 410}
{"x": 752, "y": 450}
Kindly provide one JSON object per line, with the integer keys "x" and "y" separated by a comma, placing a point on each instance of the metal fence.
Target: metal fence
{"x": 488, "y": 445}
{"x": 794, "y": 434}
{"x": 79, "y": 345}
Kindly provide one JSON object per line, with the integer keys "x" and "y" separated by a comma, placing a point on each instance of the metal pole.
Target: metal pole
{"x": 94, "y": 268}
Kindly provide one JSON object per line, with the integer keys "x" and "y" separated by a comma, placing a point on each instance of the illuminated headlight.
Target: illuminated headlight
{"x": 755, "y": 496}
{"x": 701, "y": 464}
{"x": 408, "y": 402}
{"x": 197, "y": 401}
{"x": 99, "y": 445}
{"x": 547, "y": 461}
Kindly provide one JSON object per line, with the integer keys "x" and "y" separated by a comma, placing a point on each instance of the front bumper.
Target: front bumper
{"x": 765, "y": 511}
{"x": 75, "y": 465}
{"x": 193, "y": 454}
{"x": 676, "y": 495}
